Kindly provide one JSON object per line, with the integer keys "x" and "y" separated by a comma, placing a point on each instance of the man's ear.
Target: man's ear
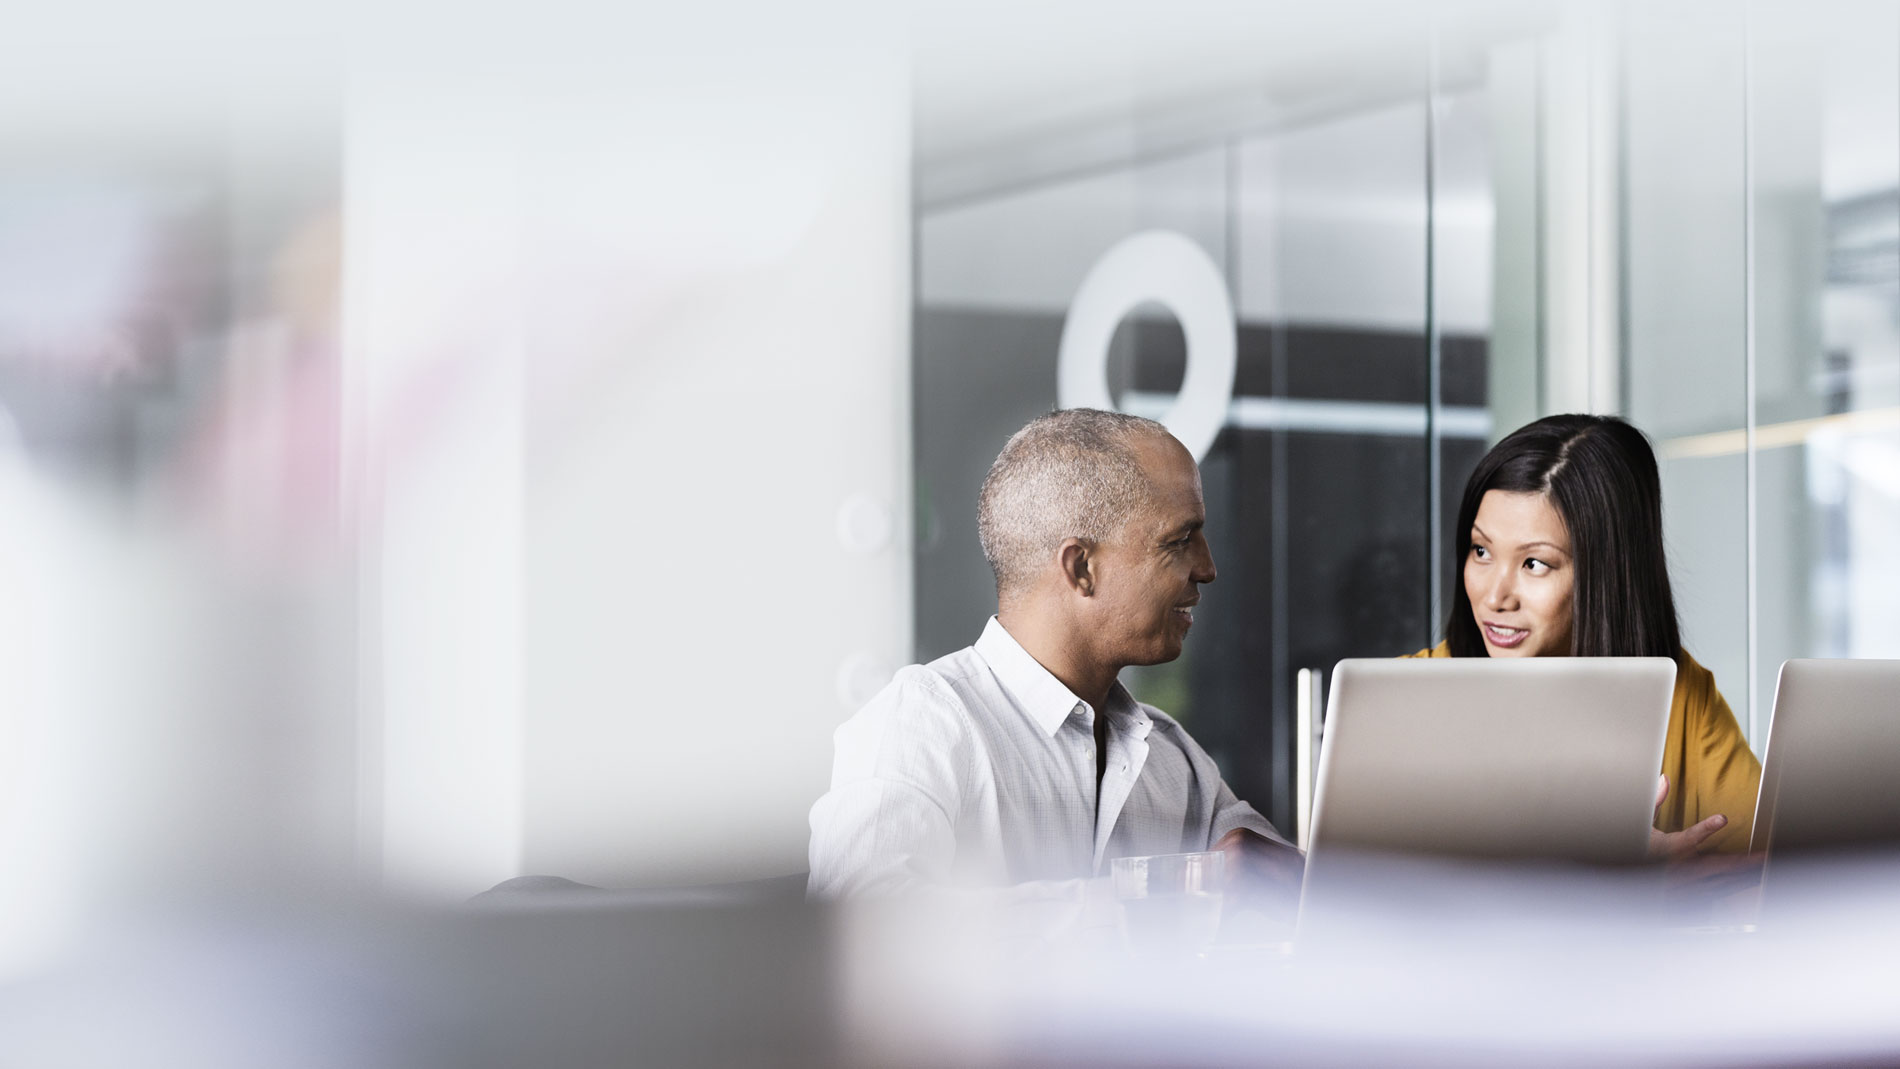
{"x": 1077, "y": 558}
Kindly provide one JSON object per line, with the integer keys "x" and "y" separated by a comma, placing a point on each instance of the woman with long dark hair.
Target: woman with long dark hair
{"x": 1561, "y": 551}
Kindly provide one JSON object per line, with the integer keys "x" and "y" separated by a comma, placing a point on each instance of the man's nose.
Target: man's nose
{"x": 1204, "y": 571}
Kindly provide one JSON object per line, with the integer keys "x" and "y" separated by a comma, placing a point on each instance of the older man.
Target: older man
{"x": 1021, "y": 758}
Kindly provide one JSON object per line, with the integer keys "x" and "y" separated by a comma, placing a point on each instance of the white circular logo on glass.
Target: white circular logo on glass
{"x": 1169, "y": 269}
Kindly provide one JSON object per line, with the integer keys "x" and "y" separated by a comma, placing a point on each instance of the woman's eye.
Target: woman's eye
{"x": 1537, "y": 567}
{"x": 1480, "y": 552}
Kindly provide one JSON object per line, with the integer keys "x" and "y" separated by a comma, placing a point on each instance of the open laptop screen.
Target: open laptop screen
{"x": 1535, "y": 758}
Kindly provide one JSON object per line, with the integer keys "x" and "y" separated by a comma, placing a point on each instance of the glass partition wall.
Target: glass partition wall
{"x": 1687, "y": 214}
{"x": 1761, "y": 264}
{"x": 1320, "y": 484}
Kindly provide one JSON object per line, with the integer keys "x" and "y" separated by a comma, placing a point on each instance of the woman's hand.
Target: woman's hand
{"x": 1684, "y": 844}
{"x": 1696, "y": 885}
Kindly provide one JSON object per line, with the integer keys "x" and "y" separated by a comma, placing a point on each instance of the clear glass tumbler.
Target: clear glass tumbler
{"x": 1170, "y": 903}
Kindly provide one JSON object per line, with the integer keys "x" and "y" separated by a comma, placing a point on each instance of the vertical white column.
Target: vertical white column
{"x": 1580, "y": 215}
{"x": 1309, "y": 730}
{"x": 434, "y": 333}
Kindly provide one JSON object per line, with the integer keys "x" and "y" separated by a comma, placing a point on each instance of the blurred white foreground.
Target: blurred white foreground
{"x": 1419, "y": 963}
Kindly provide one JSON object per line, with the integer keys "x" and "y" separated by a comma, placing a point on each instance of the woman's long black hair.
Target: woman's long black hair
{"x": 1600, "y": 475}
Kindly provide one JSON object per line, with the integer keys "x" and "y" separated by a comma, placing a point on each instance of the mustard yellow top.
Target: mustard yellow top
{"x": 1710, "y": 767}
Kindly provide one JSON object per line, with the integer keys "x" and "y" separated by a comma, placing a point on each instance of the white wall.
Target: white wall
{"x": 631, "y": 314}
{"x": 690, "y": 605}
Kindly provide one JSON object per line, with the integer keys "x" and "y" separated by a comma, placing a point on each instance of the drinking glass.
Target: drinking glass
{"x": 1169, "y": 902}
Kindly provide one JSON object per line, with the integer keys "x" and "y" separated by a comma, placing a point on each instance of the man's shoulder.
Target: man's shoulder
{"x": 944, "y": 680}
{"x": 953, "y": 668}
{"x": 926, "y": 693}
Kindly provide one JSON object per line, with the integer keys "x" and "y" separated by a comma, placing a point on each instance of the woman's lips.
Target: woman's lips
{"x": 1506, "y": 637}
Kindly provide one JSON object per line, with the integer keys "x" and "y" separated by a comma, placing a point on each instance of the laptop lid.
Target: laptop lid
{"x": 1831, "y": 772}
{"x": 1551, "y": 757}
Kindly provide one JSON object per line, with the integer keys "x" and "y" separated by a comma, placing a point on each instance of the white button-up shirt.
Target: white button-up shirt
{"x": 978, "y": 770}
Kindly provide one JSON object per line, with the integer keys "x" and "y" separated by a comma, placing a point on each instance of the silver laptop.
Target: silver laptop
{"x": 1552, "y": 758}
{"x": 1831, "y": 773}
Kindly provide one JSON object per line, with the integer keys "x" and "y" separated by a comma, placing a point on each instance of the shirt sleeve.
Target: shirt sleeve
{"x": 1231, "y": 813}
{"x": 899, "y": 771}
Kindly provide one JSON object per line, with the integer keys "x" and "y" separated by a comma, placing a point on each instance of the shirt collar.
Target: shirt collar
{"x": 1040, "y": 694}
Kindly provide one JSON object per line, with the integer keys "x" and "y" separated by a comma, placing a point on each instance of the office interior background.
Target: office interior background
{"x": 446, "y": 445}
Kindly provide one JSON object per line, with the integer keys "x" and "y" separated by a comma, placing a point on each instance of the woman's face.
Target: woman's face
{"x": 1519, "y": 576}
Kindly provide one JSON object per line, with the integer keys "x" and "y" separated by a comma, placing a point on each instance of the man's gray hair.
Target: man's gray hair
{"x": 1070, "y": 474}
